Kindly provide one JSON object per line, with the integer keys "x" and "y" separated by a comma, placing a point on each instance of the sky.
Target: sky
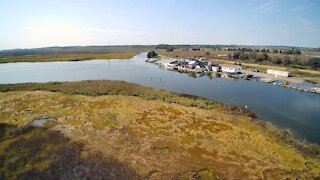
{"x": 43, "y": 23}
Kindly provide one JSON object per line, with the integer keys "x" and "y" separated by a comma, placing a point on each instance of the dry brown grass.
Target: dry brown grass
{"x": 162, "y": 140}
{"x": 311, "y": 53}
{"x": 38, "y": 153}
{"x": 109, "y": 54}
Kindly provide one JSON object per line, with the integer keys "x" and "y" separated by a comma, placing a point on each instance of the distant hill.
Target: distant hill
{"x": 104, "y": 49}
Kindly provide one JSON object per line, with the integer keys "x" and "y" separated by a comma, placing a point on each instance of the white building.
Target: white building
{"x": 278, "y": 72}
{"x": 230, "y": 68}
{"x": 215, "y": 68}
{"x": 200, "y": 67}
{"x": 192, "y": 64}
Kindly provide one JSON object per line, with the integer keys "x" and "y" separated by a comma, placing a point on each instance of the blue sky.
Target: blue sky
{"x": 41, "y": 23}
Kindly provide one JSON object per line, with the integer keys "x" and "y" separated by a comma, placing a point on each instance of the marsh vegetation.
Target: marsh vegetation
{"x": 76, "y": 53}
{"x": 148, "y": 133}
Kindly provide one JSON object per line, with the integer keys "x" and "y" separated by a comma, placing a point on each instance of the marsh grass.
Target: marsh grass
{"x": 285, "y": 135}
{"x": 70, "y": 55}
{"x": 106, "y": 87}
{"x": 161, "y": 134}
{"x": 39, "y": 153}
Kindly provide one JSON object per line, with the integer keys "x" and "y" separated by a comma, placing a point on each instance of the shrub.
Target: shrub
{"x": 315, "y": 63}
{"x": 261, "y": 57}
{"x": 276, "y": 60}
{"x": 152, "y": 54}
{"x": 244, "y": 56}
{"x": 286, "y": 60}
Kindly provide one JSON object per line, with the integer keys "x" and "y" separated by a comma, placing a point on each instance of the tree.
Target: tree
{"x": 296, "y": 52}
{"x": 261, "y": 57}
{"x": 234, "y": 55}
{"x": 292, "y": 51}
{"x": 296, "y": 60}
{"x": 152, "y": 54}
{"x": 243, "y": 56}
{"x": 286, "y": 60}
{"x": 169, "y": 49}
{"x": 276, "y": 60}
{"x": 262, "y": 50}
{"x": 253, "y": 55}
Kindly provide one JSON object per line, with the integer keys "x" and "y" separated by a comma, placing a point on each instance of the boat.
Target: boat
{"x": 170, "y": 66}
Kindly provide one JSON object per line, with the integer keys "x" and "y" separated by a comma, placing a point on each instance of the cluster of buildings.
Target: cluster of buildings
{"x": 202, "y": 65}
{"x": 198, "y": 65}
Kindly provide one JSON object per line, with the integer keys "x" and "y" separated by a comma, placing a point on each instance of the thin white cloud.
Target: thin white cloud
{"x": 266, "y": 7}
{"x": 307, "y": 24}
{"x": 115, "y": 31}
{"x": 301, "y": 7}
{"x": 304, "y": 21}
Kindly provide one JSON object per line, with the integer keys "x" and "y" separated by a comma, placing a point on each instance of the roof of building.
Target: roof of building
{"x": 192, "y": 62}
{"x": 202, "y": 64}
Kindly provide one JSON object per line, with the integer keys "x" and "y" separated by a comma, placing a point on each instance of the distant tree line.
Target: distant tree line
{"x": 258, "y": 57}
{"x": 290, "y": 51}
{"x": 285, "y": 60}
{"x": 263, "y": 50}
{"x": 166, "y": 47}
{"x": 246, "y": 50}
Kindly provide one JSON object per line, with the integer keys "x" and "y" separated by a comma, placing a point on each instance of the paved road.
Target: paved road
{"x": 264, "y": 75}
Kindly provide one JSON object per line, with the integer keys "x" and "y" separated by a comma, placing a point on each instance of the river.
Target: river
{"x": 285, "y": 108}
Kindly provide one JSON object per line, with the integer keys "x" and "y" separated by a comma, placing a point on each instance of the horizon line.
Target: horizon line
{"x": 178, "y": 44}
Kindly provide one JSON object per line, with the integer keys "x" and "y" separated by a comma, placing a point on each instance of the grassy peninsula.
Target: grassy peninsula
{"x": 73, "y": 53}
{"x": 119, "y": 130}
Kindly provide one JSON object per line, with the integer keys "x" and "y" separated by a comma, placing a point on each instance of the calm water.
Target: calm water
{"x": 285, "y": 108}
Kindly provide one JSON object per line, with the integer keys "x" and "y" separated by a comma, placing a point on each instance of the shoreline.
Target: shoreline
{"x": 301, "y": 74}
{"x": 308, "y": 85}
{"x": 202, "y": 103}
{"x": 168, "y": 131}
{"x": 148, "y": 81}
